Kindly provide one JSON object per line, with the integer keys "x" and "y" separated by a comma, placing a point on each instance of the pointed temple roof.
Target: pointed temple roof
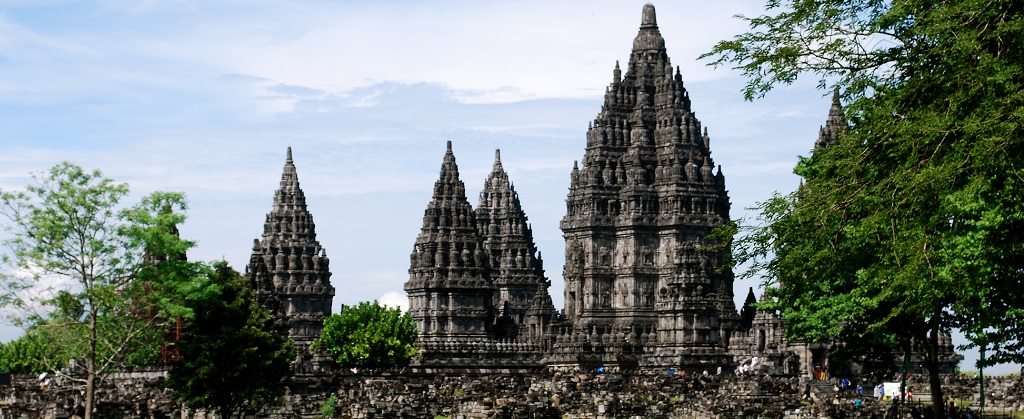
{"x": 834, "y": 125}
{"x": 516, "y": 266}
{"x": 749, "y": 311}
{"x": 646, "y": 136}
{"x": 448, "y": 244}
{"x": 289, "y": 269}
{"x": 505, "y": 229}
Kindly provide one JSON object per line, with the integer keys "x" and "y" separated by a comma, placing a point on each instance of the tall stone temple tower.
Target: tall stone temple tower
{"x": 639, "y": 211}
{"x": 450, "y": 287}
{"x": 289, "y": 270}
{"x": 515, "y": 264}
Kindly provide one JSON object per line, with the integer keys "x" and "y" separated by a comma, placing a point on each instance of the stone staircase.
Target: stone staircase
{"x": 822, "y": 390}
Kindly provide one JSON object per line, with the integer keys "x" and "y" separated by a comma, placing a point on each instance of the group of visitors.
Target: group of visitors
{"x": 746, "y": 368}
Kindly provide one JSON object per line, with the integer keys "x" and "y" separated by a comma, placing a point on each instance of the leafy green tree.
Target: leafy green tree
{"x": 232, "y": 359}
{"x": 76, "y": 256}
{"x": 30, "y": 353}
{"x": 909, "y": 225}
{"x": 369, "y": 335}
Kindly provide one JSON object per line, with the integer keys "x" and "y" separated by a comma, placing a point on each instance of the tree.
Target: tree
{"x": 369, "y": 335}
{"x": 910, "y": 224}
{"x": 231, "y": 358}
{"x": 76, "y": 257}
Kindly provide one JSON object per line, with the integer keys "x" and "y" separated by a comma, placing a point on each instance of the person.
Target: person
{"x": 910, "y": 394}
{"x": 719, "y": 371}
{"x": 860, "y": 390}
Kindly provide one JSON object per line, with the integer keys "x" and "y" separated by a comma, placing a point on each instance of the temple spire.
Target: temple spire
{"x": 639, "y": 201}
{"x": 289, "y": 270}
{"x": 448, "y": 264}
{"x": 834, "y": 125}
{"x": 515, "y": 263}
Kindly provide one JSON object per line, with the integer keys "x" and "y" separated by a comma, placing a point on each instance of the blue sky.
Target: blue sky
{"x": 204, "y": 97}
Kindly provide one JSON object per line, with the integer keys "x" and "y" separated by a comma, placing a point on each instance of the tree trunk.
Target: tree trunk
{"x": 931, "y": 362}
{"x": 90, "y": 365}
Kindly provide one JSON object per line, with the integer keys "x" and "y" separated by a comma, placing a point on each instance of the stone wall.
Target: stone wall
{"x": 1001, "y": 393}
{"x": 123, "y": 395}
{"x": 496, "y": 394}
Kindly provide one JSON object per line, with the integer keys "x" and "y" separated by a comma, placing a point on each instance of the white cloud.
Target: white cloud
{"x": 395, "y": 299}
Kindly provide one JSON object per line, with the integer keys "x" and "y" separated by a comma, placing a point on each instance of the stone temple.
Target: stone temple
{"x": 289, "y": 271}
{"x": 646, "y": 287}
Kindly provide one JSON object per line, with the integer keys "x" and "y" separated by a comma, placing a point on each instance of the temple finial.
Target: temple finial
{"x": 617, "y": 73}
{"x": 449, "y": 146}
{"x": 648, "y": 18}
{"x": 497, "y": 155}
{"x": 289, "y": 158}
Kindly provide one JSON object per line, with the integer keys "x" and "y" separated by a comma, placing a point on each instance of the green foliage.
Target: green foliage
{"x": 369, "y": 335}
{"x": 329, "y": 407}
{"x": 29, "y": 354}
{"x": 231, "y": 357}
{"x": 910, "y": 224}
